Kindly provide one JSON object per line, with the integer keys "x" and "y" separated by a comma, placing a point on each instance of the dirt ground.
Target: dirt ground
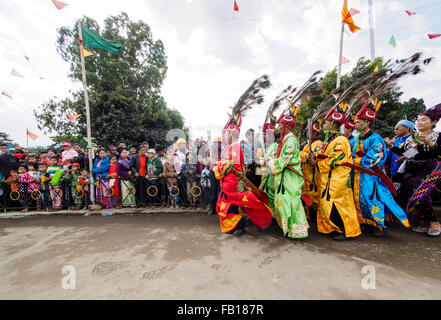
{"x": 185, "y": 256}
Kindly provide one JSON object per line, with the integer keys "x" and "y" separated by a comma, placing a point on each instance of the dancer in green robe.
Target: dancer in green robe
{"x": 287, "y": 170}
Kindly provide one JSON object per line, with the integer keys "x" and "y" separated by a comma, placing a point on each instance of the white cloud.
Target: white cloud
{"x": 212, "y": 57}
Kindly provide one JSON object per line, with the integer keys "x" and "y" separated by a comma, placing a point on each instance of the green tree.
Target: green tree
{"x": 124, "y": 89}
{"x": 414, "y": 107}
{"x": 4, "y": 138}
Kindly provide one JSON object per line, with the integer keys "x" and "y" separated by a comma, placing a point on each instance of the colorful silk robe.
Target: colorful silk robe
{"x": 335, "y": 189}
{"x": 288, "y": 207}
{"x": 371, "y": 195}
{"x": 267, "y": 184}
{"x": 311, "y": 171}
{"x": 234, "y": 199}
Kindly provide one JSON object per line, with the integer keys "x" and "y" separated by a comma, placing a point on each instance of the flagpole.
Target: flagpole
{"x": 340, "y": 54}
{"x": 371, "y": 30}
{"x": 86, "y": 100}
{"x": 27, "y": 140}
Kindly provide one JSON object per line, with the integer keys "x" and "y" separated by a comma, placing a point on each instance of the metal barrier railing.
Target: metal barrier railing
{"x": 132, "y": 192}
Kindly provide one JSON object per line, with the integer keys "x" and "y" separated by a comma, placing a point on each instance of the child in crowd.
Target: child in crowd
{"x": 72, "y": 176}
{"x": 13, "y": 180}
{"x": 83, "y": 183}
{"x": 23, "y": 190}
{"x": 32, "y": 158}
{"x": 190, "y": 171}
{"x": 31, "y": 180}
{"x": 56, "y": 191}
{"x": 113, "y": 182}
{"x": 44, "y": 186}
{"x": 14, "y": 185}
{"x": 172, "y": 181}
{"x": 206, "y": 183}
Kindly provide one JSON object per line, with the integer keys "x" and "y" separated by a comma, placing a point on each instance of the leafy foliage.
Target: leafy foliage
{"x": 124, "y": 89}
{"x": 4, "y": 138}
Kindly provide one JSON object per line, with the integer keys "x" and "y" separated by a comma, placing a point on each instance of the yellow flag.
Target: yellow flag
{"x": 85, "y": 53}
{"x": 376, "y": 69}
{"x": 347, "y": 18}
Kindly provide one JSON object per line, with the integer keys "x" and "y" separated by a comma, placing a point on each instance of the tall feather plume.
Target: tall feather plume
{"x": 401, "y": 68}
{"x": 277, "y": 102}
{"x": 310, "y": 88}
{"x": 250, "y": 97}
{"x": 351, "y": 93}
{"x": 324, "y": 106}
{"x": 393, "y": 73}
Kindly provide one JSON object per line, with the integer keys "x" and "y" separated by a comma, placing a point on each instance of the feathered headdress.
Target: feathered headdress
{"x": 250, "y": 97}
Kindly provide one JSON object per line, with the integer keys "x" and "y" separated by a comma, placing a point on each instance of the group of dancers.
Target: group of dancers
{"x": 338, "y": 183}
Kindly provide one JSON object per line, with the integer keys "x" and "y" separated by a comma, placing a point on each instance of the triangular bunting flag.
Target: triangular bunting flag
{"x": 392, "y": 41}
{"x": 376, "y": 69}
{"x": 353, "y": 12}
{"x": 41, "y": 77}
{"x": 410, "y": 13}
{"x": 60, "y": 5}
{"x": 85, "y": 53}
{"x": 434, "y": 35}
{"x": 27, "y": 58}
{"x": 55, "y": 97}
{"x": 31, "y": 135}
{"x": 336, "y": 96}
{"x": 236, "y": 7}
{"x": 16, "y": 73}
{"x": 5, "y": 94}
{"x": 72, "y": 117}
{"x": 344, "y": 60}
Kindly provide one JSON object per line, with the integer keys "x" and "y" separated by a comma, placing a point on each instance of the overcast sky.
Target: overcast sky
{"x": 213, "y": 53}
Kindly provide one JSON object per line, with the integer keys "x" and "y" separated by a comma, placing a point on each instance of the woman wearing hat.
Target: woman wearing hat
{"x": 422, "y": 153}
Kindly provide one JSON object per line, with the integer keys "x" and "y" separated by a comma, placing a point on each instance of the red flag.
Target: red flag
{"x": 72, "y": 117}
{"x": 5, "y": 94}
{"x": 410, "y": 13}
{"x": 344, "y": 60}
{"x": 434, "y": 35}
{"x": 236, "y": 7}
{"x": 60, "y": 5}
{"x": 353, "y": 12}
{"x": 31, "y": 135}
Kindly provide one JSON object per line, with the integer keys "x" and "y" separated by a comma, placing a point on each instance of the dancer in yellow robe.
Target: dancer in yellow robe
{"x": 311, "y": 172}
{"x": 336, "y": 205}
